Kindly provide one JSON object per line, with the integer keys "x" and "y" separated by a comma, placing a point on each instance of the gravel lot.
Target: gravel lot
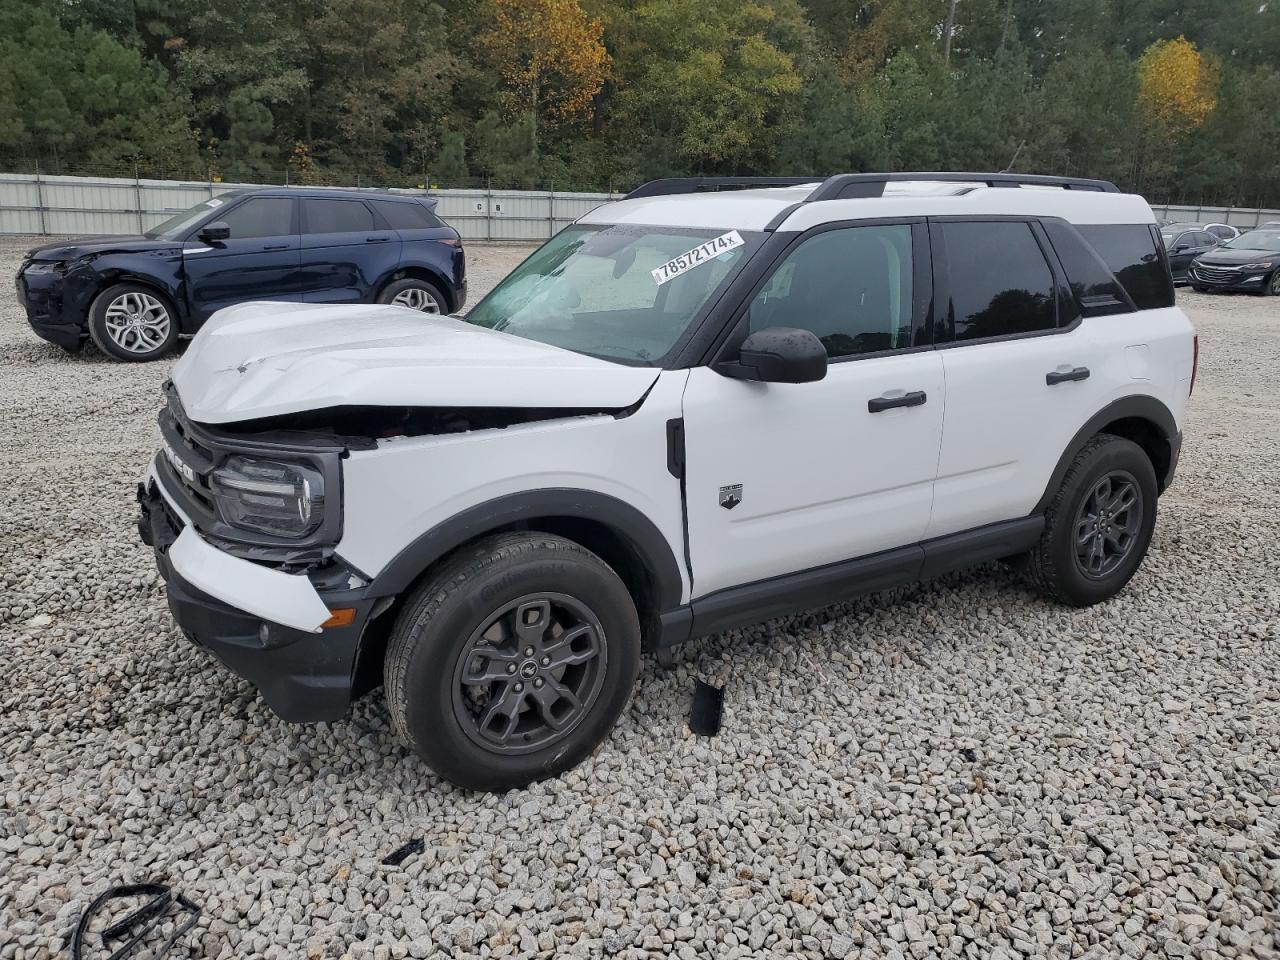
{"x": 954, "y": 769}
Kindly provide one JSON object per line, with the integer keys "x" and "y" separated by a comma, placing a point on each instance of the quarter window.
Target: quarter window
{"x": 1001, "y": 283}
{"x": 1130, "y": 251}
{"x": 337, "y": 216}
{"x": 404, "y": 215}
{"x": 260, "y": 217}
{"x": 851, "y": 287}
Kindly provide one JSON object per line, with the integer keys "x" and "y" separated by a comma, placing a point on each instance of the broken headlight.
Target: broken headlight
{"x": 269, "y": 496}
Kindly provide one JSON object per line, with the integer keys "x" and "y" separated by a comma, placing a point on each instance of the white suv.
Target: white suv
{"x": 713, "y": 402}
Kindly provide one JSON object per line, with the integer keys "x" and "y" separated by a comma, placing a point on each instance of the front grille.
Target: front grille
{"x": 1216, "y": 274}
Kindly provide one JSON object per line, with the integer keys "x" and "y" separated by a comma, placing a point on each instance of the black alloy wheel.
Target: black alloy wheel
{"x": 529, "y": 673}
{"x": 1108, "y": 525}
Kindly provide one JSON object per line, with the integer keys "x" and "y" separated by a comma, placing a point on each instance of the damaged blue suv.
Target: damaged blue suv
{"x": 136, "y": 295}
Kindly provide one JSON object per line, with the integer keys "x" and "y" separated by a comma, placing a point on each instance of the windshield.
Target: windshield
{"x": 619, "y": 292}
{"x": 1256, "y": 240}
{"x": 180, "y": 223}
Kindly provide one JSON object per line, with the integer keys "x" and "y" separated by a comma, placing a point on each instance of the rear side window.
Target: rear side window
{"x": 1096, "y": 290}
{"x": 337, "y": 216}
{"x": 407, "y": 216}
{"x": 1130, "y": 251}
{"x": 260, "y": 217}
{"x": 1001, "y": 283}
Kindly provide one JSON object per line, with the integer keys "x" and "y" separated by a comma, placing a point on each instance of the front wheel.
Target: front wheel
{"x": 1272, "y": 287}
{"x": 134, "y": 323}
{"x": 415, "y": 294}
{"x": 1099, "y": 525}
{"x": 513, "y": 661}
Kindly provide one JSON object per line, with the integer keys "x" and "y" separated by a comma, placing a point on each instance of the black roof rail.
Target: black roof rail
{"x": 673, "y": 185}
{"x": 850, "y": 185}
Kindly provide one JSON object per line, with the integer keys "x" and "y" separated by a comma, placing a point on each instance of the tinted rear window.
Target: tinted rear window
{"x": 1130, "y": 252}
{"x": 1000, "y": 281}
{"x": 406, "y": 216}
{"x": 337, "y": 216}
{"x": 1095, "y": 288}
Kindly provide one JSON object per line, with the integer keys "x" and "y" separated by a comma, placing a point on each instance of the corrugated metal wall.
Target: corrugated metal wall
{"x": 84, "y": 206}
{"x": 81, "y": 205}
{"x": 1242, "y": 218}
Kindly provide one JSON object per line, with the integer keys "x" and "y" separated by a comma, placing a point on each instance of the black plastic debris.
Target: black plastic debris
{"x": 397, "y": 857}
{"x": 707, "y": 709}
{"x": 141, "y": 927}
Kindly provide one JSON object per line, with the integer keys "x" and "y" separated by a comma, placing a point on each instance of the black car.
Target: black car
{"x": 1184, "y": 242}
{"x": 135, "y": 295}
{"x": 1251, "y": 262}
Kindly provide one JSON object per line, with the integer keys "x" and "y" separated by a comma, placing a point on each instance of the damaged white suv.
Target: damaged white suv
{"x": 711, "y": 403}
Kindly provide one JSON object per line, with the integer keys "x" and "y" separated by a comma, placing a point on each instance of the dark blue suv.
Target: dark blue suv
{"x": 135, "y": 295}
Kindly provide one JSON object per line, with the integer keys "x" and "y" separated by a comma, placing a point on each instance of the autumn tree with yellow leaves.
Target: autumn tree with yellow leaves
{"x": 550, "y": 55}
{"x": 1177, "y": 91}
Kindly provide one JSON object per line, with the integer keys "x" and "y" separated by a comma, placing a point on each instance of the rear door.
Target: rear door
{"x": 346, "y": 250}
{"x": 1019, "y": 382}
{"x": 259, "y": 261}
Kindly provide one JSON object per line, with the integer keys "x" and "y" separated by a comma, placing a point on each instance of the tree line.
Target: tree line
{"x": 1178, "y": 99}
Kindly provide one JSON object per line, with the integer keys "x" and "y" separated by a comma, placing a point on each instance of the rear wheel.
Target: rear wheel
{"x": 512, "y": 661}
{"x": 1099, "y": 525}
{"x": 134, "y": 323}
{"x": 420, "y": 295}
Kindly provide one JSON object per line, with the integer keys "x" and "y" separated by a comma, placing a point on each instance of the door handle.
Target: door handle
{"x": 276, "y": 246}
{"x": 1055, "y": 376}
{"x": 376, "y": 239}
{"x": 914, "y": 399}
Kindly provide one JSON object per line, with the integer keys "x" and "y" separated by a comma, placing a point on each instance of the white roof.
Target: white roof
{"x": 755, "y": 209}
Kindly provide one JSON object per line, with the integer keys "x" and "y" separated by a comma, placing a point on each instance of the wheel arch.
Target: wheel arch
{"x": 1144, "y": 420}
{"x": 420, "y": 272}
{"x": 618, "y": 533}
{"x": 113, "y": 276}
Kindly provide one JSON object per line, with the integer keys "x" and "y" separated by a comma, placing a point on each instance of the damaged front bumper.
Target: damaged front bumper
{"x": 263, "y": 624}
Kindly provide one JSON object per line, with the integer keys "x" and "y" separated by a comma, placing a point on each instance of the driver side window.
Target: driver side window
{"x": 851, "y": 287}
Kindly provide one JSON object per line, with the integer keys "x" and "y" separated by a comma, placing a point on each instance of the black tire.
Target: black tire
{"x": 440, "y": 636}
{"x": 1199, "y": 289}
{"x": 415, "y": 294}
{"x": 1054, "y": 565}
{"x": 110, "y": 317}
{"x": 1272, "y": 286}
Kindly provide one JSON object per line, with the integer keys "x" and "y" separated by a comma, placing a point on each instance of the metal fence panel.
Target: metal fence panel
{"x": 35, "y": 204}
{"x": 1242, "y": 218}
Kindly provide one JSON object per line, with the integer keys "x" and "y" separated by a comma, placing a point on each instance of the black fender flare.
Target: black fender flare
{"x": 1138, "y": 406}
{"x": 624, "y": 520}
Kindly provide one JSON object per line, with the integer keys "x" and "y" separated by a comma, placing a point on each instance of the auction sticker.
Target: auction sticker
{"x": 702, "y": 253}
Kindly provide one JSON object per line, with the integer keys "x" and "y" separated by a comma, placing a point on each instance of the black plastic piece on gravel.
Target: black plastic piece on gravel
{"x": 139, "y": 922}
{"x": 397, "y": 857}
{"x": 707, "y": 709}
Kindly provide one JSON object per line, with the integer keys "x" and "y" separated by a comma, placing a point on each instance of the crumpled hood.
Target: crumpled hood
{"x": 264, "y": 359}
{"x": 96, "y": 246}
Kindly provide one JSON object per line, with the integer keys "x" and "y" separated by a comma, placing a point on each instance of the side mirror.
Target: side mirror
{"x": 217, "y": 230}
{"x": 778, "y": 355}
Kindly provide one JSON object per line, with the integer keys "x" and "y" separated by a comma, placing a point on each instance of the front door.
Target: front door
{"x": 345, "y": 251}
{"x": 259, "y": 261}
{"x": 782, "y": 478}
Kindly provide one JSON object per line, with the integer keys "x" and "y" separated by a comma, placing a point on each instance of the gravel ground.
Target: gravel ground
{"x": 955, "y": 769}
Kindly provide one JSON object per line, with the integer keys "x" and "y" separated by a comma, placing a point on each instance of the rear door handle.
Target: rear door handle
{"x": 1056, "y": 376}
{"x": 914, "y": 399}
{"x": 276, "y": 246}
{"x": 376, "y": 239}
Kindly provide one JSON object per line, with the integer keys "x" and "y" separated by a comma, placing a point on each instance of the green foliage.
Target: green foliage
{"x": 395, "y": 91}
